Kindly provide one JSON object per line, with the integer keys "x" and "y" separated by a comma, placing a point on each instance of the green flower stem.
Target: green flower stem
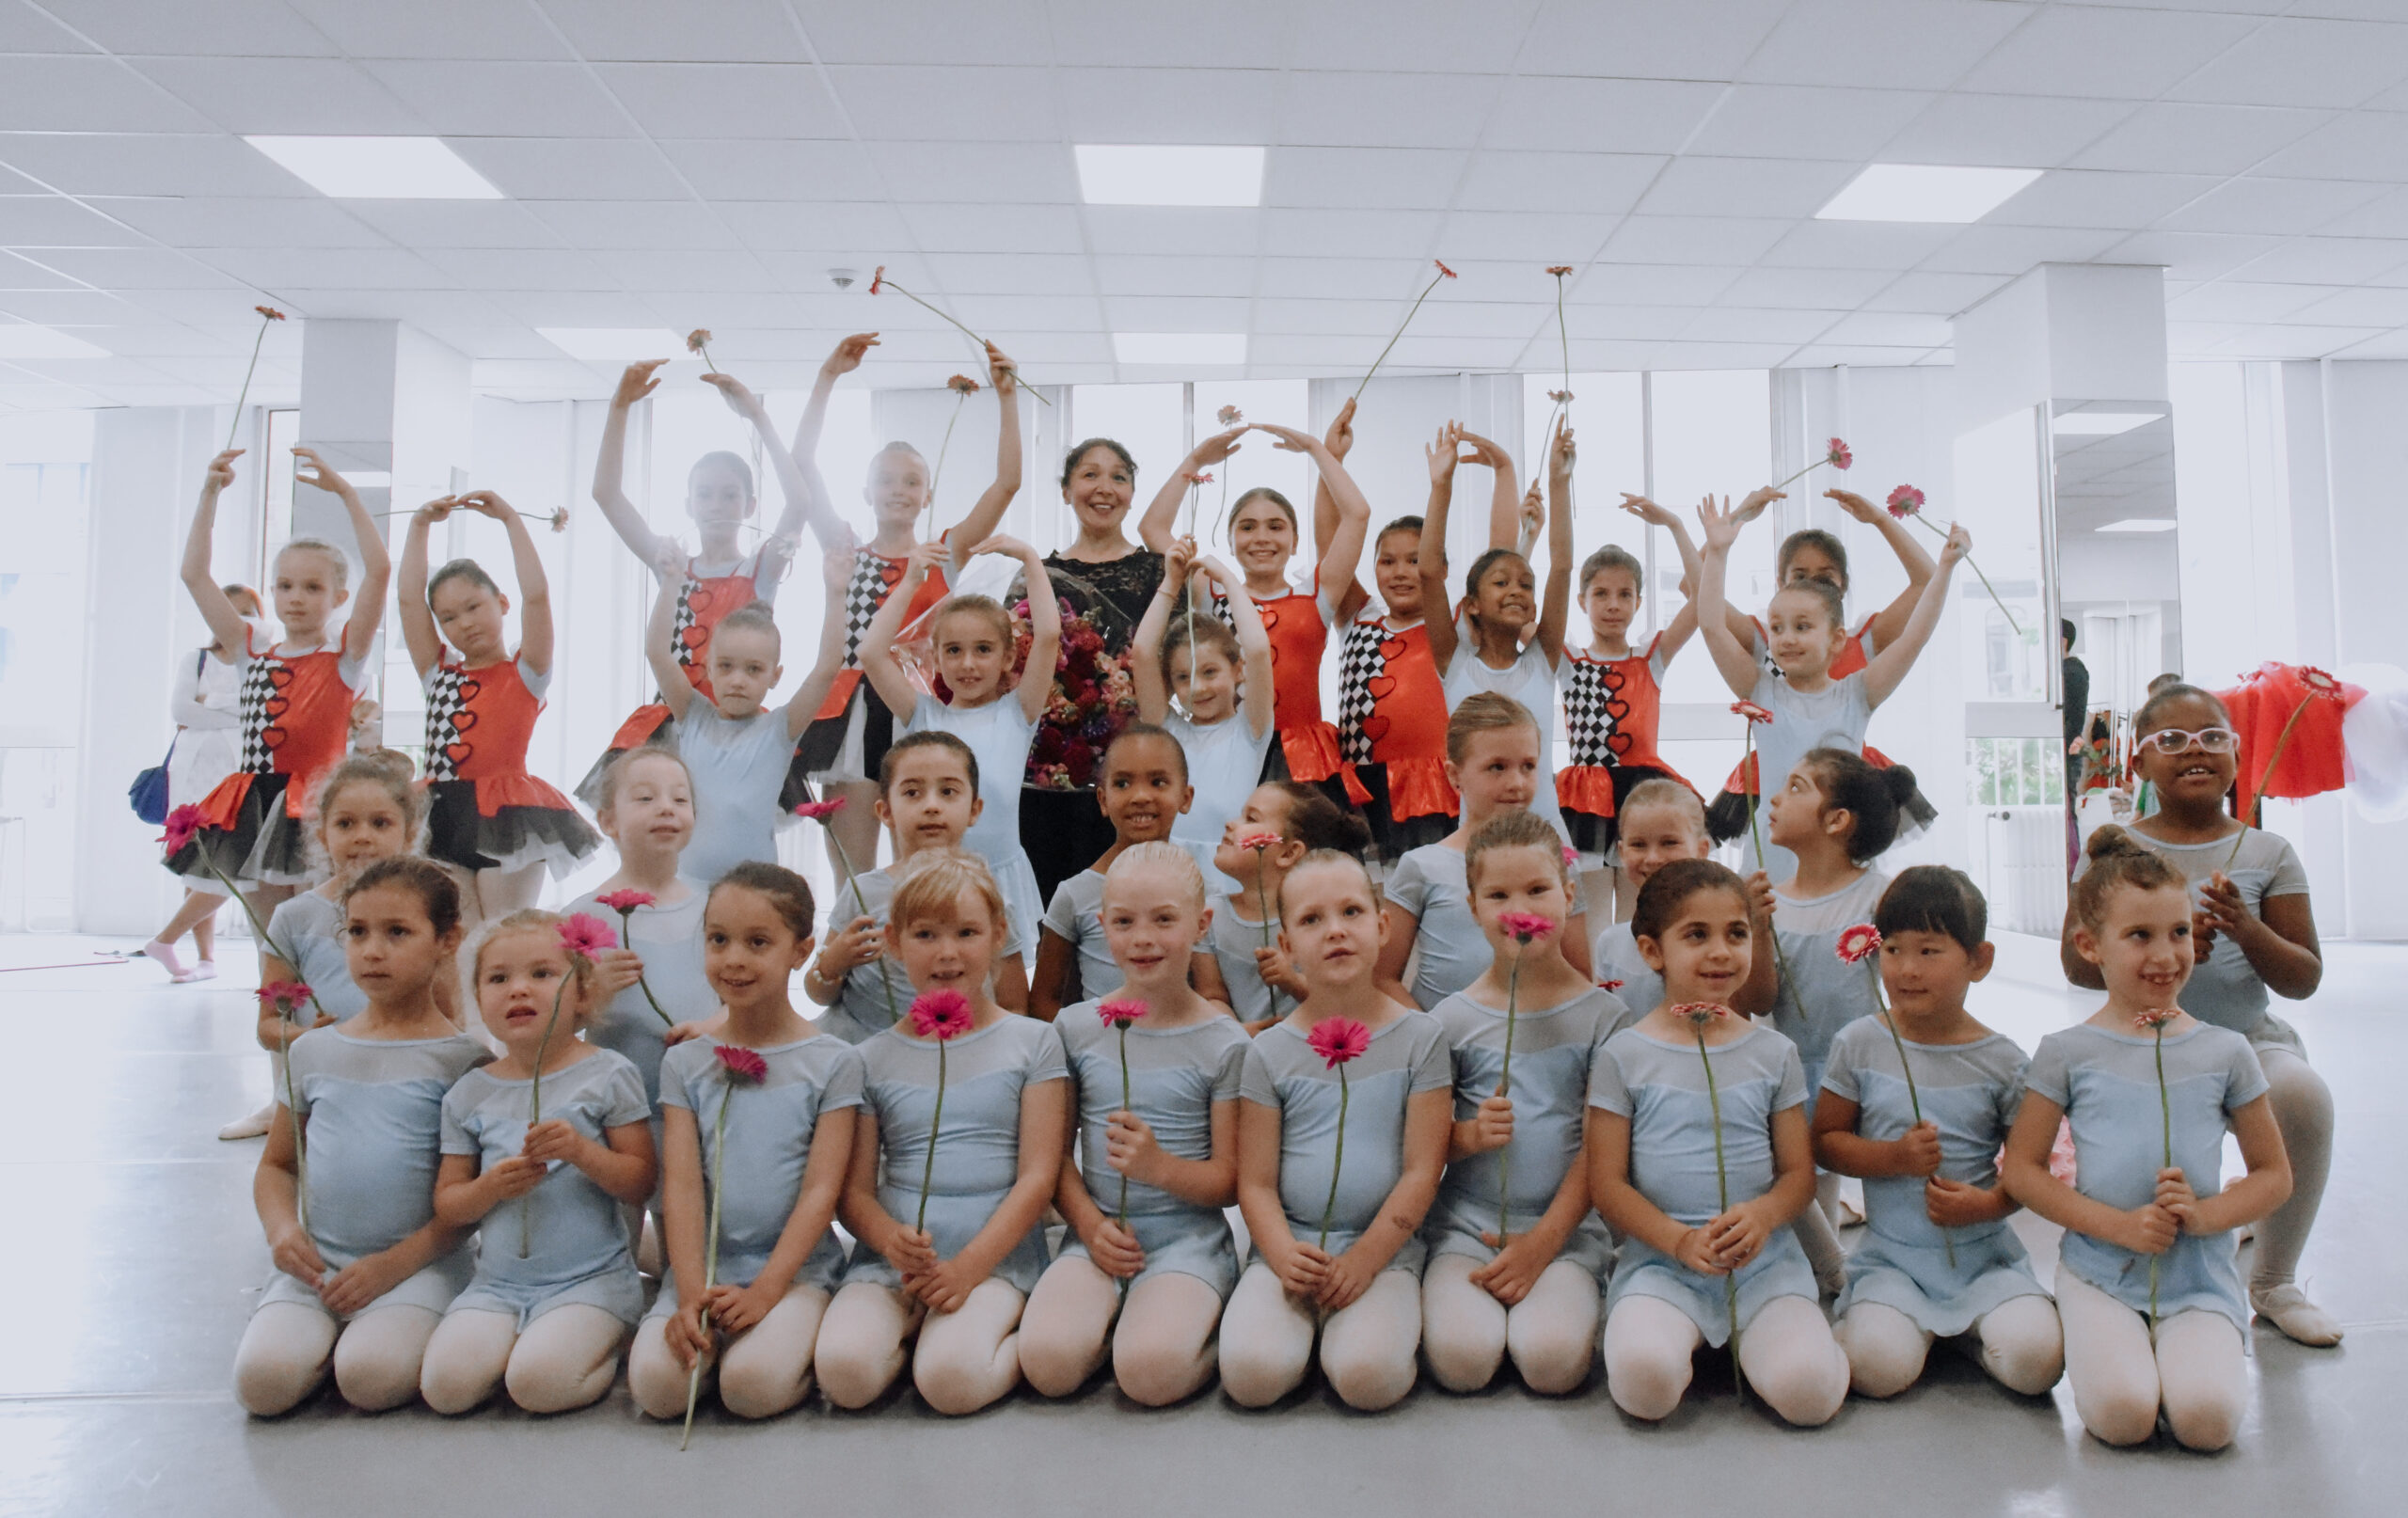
{"x": 1337, "y": 1162}
{"x": 283, "y": 1028}
{"x": 2166, "y": 1117}
{"x": 1261, "y": 900}
{"x": 626, "y": 921}
{"x": 1722, "y": 1195}
{"x": 1984, "y": 578}
{"x": 1504, "y": 1088}
{"x": 535, "y": 1112}
{"x": 929, "y": 1167}
{"x": 1763, "y": 861}
{"x": 961, "y": 399}
{"x": 710, "y": 1256}
{"x": 885, "y": 979}
{"x": 1890, "y": 1020}
{"x": 967, "y": 333}
{"x": 1400, "y": 331}
{"x": 1129, "y": 1107}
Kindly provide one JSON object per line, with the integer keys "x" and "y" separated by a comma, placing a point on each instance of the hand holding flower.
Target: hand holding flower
{"x": 1918, "y": 1152}
{"x": 735, "y": 1309}
{"x": 1695, "y": 1253}
{"x": 1490, "y": 1127}
{"x": 1348, "y": 1278}
{"x": 554, "y": 1139}
{"x": 688, "y": 1336}
{"x": 1738, "y": 1235}
{"x": 1301, "y": 1268}
{"x": 1113, "y": 1249}
{"x": 1130, "y": 1147}
{"x": 362, "y": 1281}
{"x": 297, "y": 1253}
{"x": 1515, "y": 1269}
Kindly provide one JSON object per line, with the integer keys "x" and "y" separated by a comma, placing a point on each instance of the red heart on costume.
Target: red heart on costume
{"x": 468, "y": 689}
{"x": 1617, "y": 710}
{"x": 1614, "y": 677}
{"x": 1391, "y": 648}
{"x": 458, "y": 752}
{"x": 1619, "y": 742}
{"x": 1375, "y": 728}
{"x": 272, "y": 738}
{"x": 1380, "y": 686}
{"x": 462, "y": 722}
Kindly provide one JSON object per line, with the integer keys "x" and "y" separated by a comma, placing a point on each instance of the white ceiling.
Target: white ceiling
{"x": 706, "y": 164}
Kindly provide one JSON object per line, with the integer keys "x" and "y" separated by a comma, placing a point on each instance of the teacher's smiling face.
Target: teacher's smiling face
{"x": 1097, "y": 484}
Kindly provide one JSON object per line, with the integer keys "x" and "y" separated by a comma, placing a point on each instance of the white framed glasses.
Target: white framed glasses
{"x": 2174, "y": 740}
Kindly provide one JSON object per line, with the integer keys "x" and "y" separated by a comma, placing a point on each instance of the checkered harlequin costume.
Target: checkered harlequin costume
{"x": 295, "y": 713}
{"x": 485, "y": 810}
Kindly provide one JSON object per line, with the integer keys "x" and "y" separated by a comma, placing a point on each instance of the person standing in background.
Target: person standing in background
{"x": 2076, "y": 692}
{"x": 209, "y": 727}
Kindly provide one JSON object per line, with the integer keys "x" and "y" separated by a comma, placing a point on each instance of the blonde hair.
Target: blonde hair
{"x": 342, "y": 571}
{"x": 1514, "y": 830}
{"x": 1483, "y": 712}
{"x": 974, "y": 605}
{"x": 1672, "y": 793}
{"x": 1162, "y": 854}
{"x": 528, "y": 920}
{"x": 1331, "y": 856}
{"x": 389, "y": 771}
{"x": 933, "y": 881}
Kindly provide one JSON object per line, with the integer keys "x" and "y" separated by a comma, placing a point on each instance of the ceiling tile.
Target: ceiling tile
{"x": 285, "y": 95}
{"x": 133, "y": 268}
{"x": 1348, "y": 233}
{"x": 2104, "y": 54}
{"x": 1118, "y": 276}
{"x": 1827, "y": 355}
{"x": 1828, "y": 289}
{"x": 1645, "y": 284}
{"x": 2331, "y": 262}
{"x": 2251, "y": 205}
{"x": 19, "y": 273}
{"x": 735, "y": 100}
{"x": 422, "y": 223}
{"x": 1887, "y": 245}
{"x": 474, "y": 99}
{"x": 2170, "y": 136}
{"x": 1704, "y": 239}
{"x": 199, "y": 221}
{"x": 222, "y": 28}
{"x": 595, "y": 225}
{"x": 926, "y": 31}
{"x": 1358, "y": 318}
{"x": 23, "y": 29}
{"x": 87, "y": 94}
{"x": 1407, "y": 34}
{"x": 571, "y": 168}
{"x": 1802, "y": 121}
{"x": 721, "y": 269}
{"x": 1022, "y": 273}
{"x": 1173, "y": 229}
{"x": 431, "y": 28}
{"x": 1591, "y": 323}
{"x": 998, "y": 228}
{"x": 1935, "y": 294}
{"x": 1695, "y": 39}
{"x": 520, "y": 268}
{"x": 805, "y": 170}
{"x": 2385, "y": 216}
{"x": 2234, "y": 300}
{"x": 1641, "y": 115}
{"x": 771, "y": 226}
{"x": 1030, "y": 173}
{"x": 1233, "y": 33}
{"x": 945, "y": 103}
{"x": 1484, "y": 318}
{"x": 364, "y": 268}
{"x": 158, "y": 341}
{"x": 1124, "y": 104}
{"x": 578, "y": 308}
{"x": 2013, "y": 251}
{"x": 1692, "y": 187}
{"x": 1757, "y": 325}
{"x": 2081, "y": 198}
{"x": 1603, "y": 182}
{"x": 1339, "y": 280}
{"x": 2362, "y": 144}
{"x": 1892, "y": 329}
{"x": 2192, "y": 255}
{"x": 2302, "y": 61}
{"x": 2003, "y": 131}
{"x": 1893, "y": 44}
{"x": 2385, "y": 345}
{"x": 1537, "y": 238}
{"x": 1390, "y": 177}
{"x": 1388, "y": 110}
{"x": 719, "y": 31}
{"x": 1173, "y": 313}
{"x": 55, "y": 221}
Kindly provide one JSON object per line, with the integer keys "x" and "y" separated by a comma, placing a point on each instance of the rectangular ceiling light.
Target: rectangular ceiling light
{"x": 1117, "y": 175}
{"x": 2140, "y": 524}
{"x": 1182, "y": 348}
{"x": 22, "y": 339}
{"x": 1924, "y": 192}
{"x": 614, "y": 343}
{"x": 2100, "y": 423}
{"x": 379, "y": 169}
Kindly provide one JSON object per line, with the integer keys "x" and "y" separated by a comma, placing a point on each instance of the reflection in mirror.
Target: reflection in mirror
{"x": 2119, "y": 586}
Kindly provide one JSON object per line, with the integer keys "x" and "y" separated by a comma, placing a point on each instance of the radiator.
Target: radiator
{"x": 2025, "y": 868}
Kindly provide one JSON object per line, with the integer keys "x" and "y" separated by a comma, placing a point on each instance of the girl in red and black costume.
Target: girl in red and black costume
{"x": 841, "y": 750}
{"x": 485, "y": 812}
{"x": 1263, "y": 534}
{"x": 1812, "y": 553}
{"x": 723, "y": 576}
{"x": 297, "y": 694}
{"x": 1613, "y": 697}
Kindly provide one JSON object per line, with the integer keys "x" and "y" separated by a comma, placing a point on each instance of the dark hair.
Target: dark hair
{"x": 616, "y": 775}
{"x": 240, "y": 593}
{"x": 1514, "y": 830}
{"x": 1330, "y": 856}
{"x": 436, "y": 890}
{"x": 787, "y": 892}
{"x": 1869, "y": 795}
{"x": 1826, "y": 543}
{"x": 2144, "y": 721}
{"x": 1317, "y": 822}
{"x": 1834, "y": 605}
{"x": 1669, "y": 889}
{"x": 1480, "y": 568}
{"x": 722, "y": 458}
{"x": 2159, "y": 682}
{"x": 1187, "y": 633}
{"x": 1070, "y": 460}
{"x": 926, "y": 739}
{"x": 1612, "y": 556}
{"x": 757, "y": 615}
{"x": 467, "y": 569}
{"x": 1933, "y": 898}
{"x": 1402, "y": 523}
{"x": 2117, "y": 860}
{"x": 1483, "y": 711}
{"x": 2065, "y": 630}
{"x": 1145, "y": 730}
{"x": 1286, "y": 507}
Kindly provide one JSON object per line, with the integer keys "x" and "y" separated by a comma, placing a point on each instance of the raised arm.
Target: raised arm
{"x": 1891, "y": 620}
{"x": 1339, "y": 440}
{"x": 534, "y": 588}
{"x": 375, "y": 565}
{"x": 1684, "y": 624}
{"x": 846, "y": 358}
{"x": 1730, "y": 655}
{"x": 660, "y": 650}
{"x": 1146, "y": 644}
{"x": 418, "y": 630}
{"x": 1504, "y": 491}
{"x": 986, "y": 512}
{"x": 805, "y": 502}
{"x": 1343, "y": 548}
{"x": 1750, "y": 507}
{"x": 1437, "y": 611}
{"x": 610, "y": 471}
{"x": 1889, "y": 665}
{"x": 225, "y": 625}
{"x": 1254, "y": 647}
{"x": 1161, "y": 520}
{"x": 835, "y": 568}
{"x": 875, "y": 651}
{"x": 1044, "y": 626}
{"x": 1557, "y": 605}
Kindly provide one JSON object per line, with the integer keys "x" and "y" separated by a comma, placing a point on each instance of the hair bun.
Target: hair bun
{"x": 1901, "y": 781}
{"x": 2112, "y": 842}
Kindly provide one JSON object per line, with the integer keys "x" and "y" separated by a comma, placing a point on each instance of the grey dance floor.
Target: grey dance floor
{"x": 134, "y": 1257}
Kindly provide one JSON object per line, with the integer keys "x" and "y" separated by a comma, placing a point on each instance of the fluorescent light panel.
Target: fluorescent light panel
{"x": 2139, "y": 524}
{"x": 22, "y": 339}
{"x": 614, "y": 342}
{"x": 379, "y": 169}
{"x": 1134, "y": 175}
{"x": 1924, "y": 192}
{"x": 2100, "y": 423}
{"x": 1190, "y": 348}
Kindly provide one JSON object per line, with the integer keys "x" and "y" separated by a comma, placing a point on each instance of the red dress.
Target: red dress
{"x": 1392, "y": 732}
{"x": 486, "y": 812}
{"x": 2313, "y": 760}
{"x": 1611, "y": 711}
{"x": 1299, "y": 638}
{"x": 296, "y": 723}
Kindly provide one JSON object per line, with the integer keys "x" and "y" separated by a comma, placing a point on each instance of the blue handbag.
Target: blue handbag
{"x": 149, "y": 792}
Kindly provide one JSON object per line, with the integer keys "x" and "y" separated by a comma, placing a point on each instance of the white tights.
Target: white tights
{"x": 1817, "y": 1231}
{"x": 499, "y": 893}
{"x": 1160, "y": 1348}
{"x": 2019, "y": 1342}
{"x": 289, "y": 1346}
{"x": 2303, "y": 1106}
{"x": 566, "y": 1359}
{"x": 1551, "y": 1333}
{"x": 760, "y": 1373}
{"x": 1786, "y": 1353}
{"x": 2122, "y": 1373}
{"x": 964, "y": 1360}
{"x": 1368, "y": 1351}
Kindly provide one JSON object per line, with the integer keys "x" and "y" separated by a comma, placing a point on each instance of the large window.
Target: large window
{"x": 44, "y": 493}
